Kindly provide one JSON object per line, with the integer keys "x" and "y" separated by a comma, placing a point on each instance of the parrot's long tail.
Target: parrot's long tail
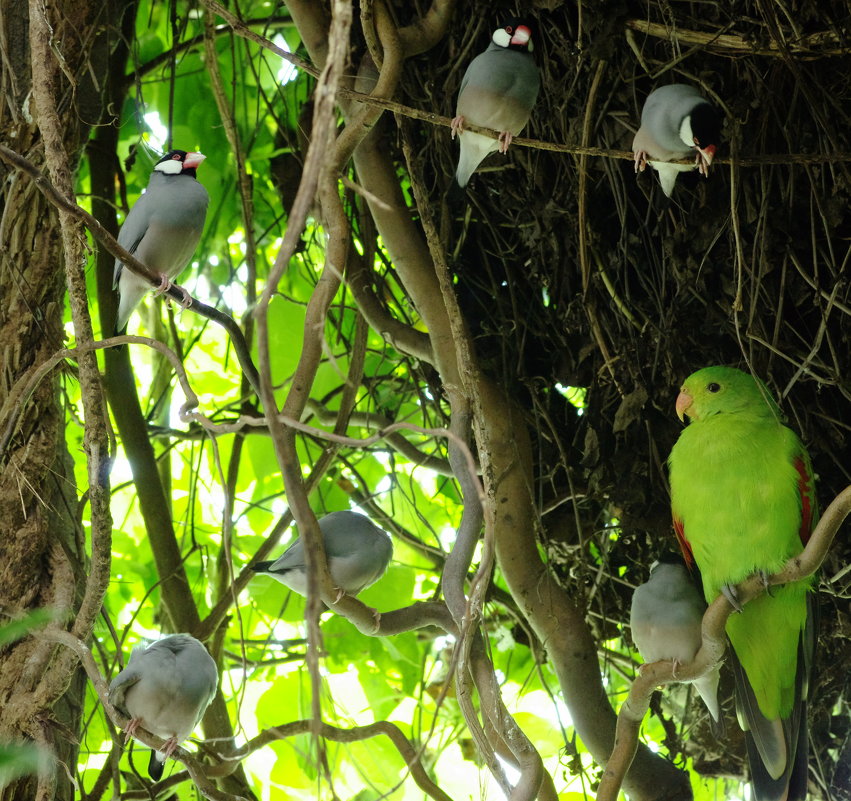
{"x": 778, "y": 750}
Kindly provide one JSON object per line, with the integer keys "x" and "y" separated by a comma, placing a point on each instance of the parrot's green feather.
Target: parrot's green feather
{"x": 735, "y": 487}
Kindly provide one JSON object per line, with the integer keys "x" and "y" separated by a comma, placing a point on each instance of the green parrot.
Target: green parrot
{"x": 743, "y": 501}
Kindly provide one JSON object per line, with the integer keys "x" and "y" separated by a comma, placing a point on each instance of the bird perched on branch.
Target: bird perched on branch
{"x": 743, "y": 502}
{"x": 358, "y": 553}
{"x": 665, "y": 619}
{"x": 498, "y": 91}
{"x": 162, "y": 229}
{"x": 676, "y": 121}
{"x": 165, "y": 688}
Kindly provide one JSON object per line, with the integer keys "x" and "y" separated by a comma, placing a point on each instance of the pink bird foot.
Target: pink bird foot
{"x": 130, "y": 729}
{"x": 702, "y": 164}
{"x": 169, "y": 747}
{"x": 186, "y": 301}
{"x": 505, "y": 140}
{"x": 457, "y": 126}
{"x": 164, "y": 286}
{"x": 640, "y": 160}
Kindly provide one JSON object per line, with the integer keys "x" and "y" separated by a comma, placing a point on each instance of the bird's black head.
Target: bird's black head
{"x": 516, "y": 34}
{"x": 706, "y": 125}
{"x": 670, "y": 558}
{"x": 179, "y": 162}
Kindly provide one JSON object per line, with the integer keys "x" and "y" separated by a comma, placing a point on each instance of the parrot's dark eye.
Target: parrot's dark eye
{"x": 713, "y": 387}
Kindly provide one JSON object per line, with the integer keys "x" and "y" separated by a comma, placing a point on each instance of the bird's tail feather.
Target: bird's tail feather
{"x": 156, "y": 766}
{"x": 474, "y": 148}
{"x": 778, "y": 749}
{"x": 707, "y": 688}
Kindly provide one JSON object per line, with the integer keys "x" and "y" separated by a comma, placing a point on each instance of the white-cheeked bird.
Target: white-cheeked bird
{"x": 676, "y": 121}
{"x": 165, "y": 688}
{"x": 162, "y": 229}
{"x": 357, "y": 551}
{"x": 666, "y": 617}
{"x": 498, "y": 91}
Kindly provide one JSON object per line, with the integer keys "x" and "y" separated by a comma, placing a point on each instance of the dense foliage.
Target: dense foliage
{"x": 585, "y": 299}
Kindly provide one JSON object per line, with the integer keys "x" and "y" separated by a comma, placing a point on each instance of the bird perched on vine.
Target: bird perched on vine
{"x": 161, "y": 230}
{"x": 665, "y": 619}
{"x": 676, "y": 121}
{"x": 743, "y": 502}
{"x": 165, "y": 688}
{"x": 498, "y": 91}
{"x": 357, "y": 551}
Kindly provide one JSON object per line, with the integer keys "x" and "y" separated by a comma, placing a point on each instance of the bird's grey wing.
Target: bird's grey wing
{"x": 291, "y": 558}
{"x": 358, "y": 551}
{"x": 133, "y": 230}
{"x": 344, "y": 533}
{"x": 662, "y": 114}
{"x": 197, "y": 674}
{"x": 119, "y": 685}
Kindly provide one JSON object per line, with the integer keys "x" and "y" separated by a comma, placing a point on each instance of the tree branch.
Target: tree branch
{"x": 95, "y": 438}
{"x": 354, "y": 734}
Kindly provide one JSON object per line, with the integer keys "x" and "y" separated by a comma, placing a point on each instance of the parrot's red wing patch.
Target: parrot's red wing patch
{"x": 679, "y": 530}
{"x": 805, "y": 487}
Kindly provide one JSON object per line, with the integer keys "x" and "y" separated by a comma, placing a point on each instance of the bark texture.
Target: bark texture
{"x": 42, "y": 545}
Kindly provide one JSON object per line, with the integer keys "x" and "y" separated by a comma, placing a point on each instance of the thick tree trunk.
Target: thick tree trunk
{"x": 42, "y": 545}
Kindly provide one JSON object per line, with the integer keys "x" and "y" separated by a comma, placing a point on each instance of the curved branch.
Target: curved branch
{"x": 355, "y": 734}
{"x": 426, "y": 31}
{"x": 402, "y": 337}
{"x": 809, "y": 46}
{"x": 371, "y": 421}
{"x": 714, "y": 642}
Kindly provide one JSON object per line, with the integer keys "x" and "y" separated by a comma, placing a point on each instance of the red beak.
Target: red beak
{"x": 192, "y": 160}
{"x": 684, "y": 401}
{"x": 522, "y": 35}
{"x": 706, "y": 155}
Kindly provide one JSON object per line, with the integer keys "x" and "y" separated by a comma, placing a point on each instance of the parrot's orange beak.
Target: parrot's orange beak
{"x": 684, "y": 401}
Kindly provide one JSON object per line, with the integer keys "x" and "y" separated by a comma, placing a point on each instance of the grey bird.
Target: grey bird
{"x": 666, "y": 616}
{"x": 162, "y": 229}
{"x": 357, "y": 550}
{"x": 498, "y": 91}
{"x": 676, "y": 121}
{"x": 165, "y": 688}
